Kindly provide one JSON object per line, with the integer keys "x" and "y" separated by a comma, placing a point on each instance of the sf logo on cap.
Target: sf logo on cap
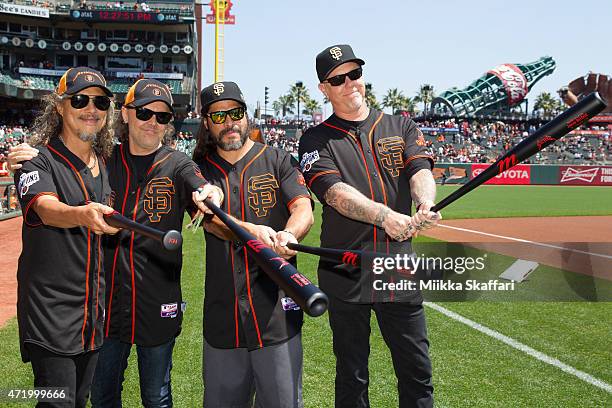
{"x": 89, "y": 78}
{"x": 336, "y": 53}
{"x": 218, "y": 89}
{"x": 156, "y": 92}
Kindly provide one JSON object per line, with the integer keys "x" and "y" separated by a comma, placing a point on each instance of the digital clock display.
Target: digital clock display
{"x": 124, "y": 16}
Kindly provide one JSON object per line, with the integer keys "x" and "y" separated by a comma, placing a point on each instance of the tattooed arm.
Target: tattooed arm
{"x": 423, "y": 192}
{"x": 423, "y": 187}
{"x": 349, "y": 202}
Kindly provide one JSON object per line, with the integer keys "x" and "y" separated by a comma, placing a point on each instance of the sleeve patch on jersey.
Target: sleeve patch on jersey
{"x": 300, "y": 179}
{"x": 289, "y": 304}
{"x": 420, "y": 138}
{"x": 169, "y": 310}
{"x": 26, "y": 180}
{"x": 308, "y": 159}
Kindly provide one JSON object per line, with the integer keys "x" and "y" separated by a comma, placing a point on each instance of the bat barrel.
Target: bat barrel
{"x": 317, "y": 304}
{"x": 303, "y": 292}
{"x": 171, "y": 240}
{"x": 552, "y": 131}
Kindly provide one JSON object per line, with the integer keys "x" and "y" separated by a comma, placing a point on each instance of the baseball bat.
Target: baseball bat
{"x": 171, "y": 240}
{"x": 345, "y": 256}
{"x": 549, "y": 133}
{"x": 303, "y": 292}
{"x": 355, "y": 258}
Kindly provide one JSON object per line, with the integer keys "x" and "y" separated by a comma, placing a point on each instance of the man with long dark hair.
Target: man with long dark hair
{"x": 252, "y": 329}
{"x": 63, "y": 192}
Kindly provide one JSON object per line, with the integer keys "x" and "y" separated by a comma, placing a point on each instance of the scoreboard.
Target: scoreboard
{"x": 121, "y": 16}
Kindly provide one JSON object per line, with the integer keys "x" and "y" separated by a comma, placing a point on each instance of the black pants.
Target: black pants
{"x": 56, "y": 370}
{"x": 403, "y": 328}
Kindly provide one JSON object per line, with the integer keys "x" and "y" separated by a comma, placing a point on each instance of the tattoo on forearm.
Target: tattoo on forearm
{"x": 349, "y": 202}
{"x": 380, "y": 217}
{"x": 423, "y": 186}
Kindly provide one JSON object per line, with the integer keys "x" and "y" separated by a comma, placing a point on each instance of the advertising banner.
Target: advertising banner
{"x": 519, "y": 174}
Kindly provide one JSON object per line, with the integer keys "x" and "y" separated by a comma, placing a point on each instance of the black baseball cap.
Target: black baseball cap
{"x": 145, "y": 91}
{"x": 333, "y": 56}
{"x": 220, "y": 91}
{"x": 76, "y": 79}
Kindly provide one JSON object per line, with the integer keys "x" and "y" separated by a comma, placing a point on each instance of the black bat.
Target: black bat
{"x": 357, "y": 258}
{"x": 564, "y": 123}
{"x": 303, "y": 292}
{"x": 171, "y": 240}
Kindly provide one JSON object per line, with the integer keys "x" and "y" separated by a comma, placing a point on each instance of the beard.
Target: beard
{"x": 88, "y": 136}
{"x": 243, "y": 132}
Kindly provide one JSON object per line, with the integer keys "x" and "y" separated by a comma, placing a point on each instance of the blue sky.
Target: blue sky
{"x": 406, "y": 43}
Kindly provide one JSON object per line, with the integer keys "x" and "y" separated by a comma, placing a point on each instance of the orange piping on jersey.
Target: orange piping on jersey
{"x": 417, "y": 156}
{"x": 127, "y": 185}
{"x": 132, "y": 269}
{"x": 382, "y": 185}
{"x": 93, "y": 335}
{"x": 125, "y": 196}
{"x": 80, "y": 179}
{"x": 158, "y": 163}
{"x": 32, "y": 201}
{"x": 365, "y": 163}
{"x": 110, "y": 301}
{"x": 321, "y": 173}
{"x": 228, "y": 201}
{"x": 294, "y": 199}
{"x": 246, "y": 257}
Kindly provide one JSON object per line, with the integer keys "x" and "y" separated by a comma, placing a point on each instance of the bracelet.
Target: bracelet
{"x": 289, "y": 232}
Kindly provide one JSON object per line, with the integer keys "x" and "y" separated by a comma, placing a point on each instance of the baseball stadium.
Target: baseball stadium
{"x": 523, "y": 183}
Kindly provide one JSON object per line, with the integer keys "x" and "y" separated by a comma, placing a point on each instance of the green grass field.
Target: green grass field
{"x": 471, "y": 369}
{"x": 528, "y": 201}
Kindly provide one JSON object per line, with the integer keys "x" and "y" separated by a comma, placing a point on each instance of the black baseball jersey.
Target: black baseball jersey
{"x": 60, "y": 304}
{"x": 377, "y": 157}
{"x": 243, "y": 307}
{"x": 144, "y": 303}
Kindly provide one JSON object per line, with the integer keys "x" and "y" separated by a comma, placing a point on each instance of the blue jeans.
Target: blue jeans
{"x": 154, "y": 365}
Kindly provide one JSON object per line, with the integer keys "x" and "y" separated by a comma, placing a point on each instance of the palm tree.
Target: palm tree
{"x": 284, "y": 104}
{"x": 393, "y": 99}
{"x": 407, "y": 104}
{"x": 311, "y": 106}
{"x": 425, "y": 95}
{"x": 545, "y": 103}
{"x": 300, "y": 95}
{"x": 370, "y": 97}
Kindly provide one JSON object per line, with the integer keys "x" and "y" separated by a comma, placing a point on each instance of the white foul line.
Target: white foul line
{"x": 522, "y": 347}
{"x": 527, "y": 241}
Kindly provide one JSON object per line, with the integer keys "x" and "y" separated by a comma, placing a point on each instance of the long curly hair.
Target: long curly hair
{"x": 49, "y": 124}
{"x": 204, "y": 145}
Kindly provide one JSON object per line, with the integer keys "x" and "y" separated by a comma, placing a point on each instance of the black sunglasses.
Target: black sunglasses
{"x": 339, "y": 79}
{"x": 220, "y": 116}
{"x": 80, "y": 101}
{"x": 145, "y": 114}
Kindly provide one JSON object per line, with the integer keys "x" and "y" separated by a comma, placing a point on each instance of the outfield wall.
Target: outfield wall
{"x": 527, "y": 174}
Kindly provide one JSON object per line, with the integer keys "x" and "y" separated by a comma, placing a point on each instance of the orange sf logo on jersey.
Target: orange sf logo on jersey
{"x": 262, "y": 193}
{"x": 390, "y": 150}
{"x": 158, "y": 198}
